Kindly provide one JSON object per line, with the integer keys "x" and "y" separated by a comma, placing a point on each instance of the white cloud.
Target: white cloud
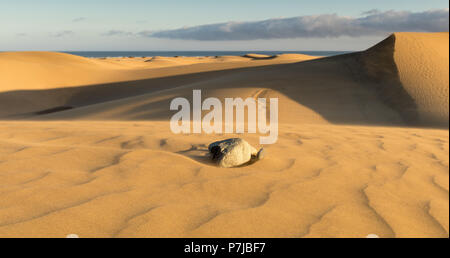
{"x": 79, "y": 19}
{"x": 372, "y": 23}
{"x": 118, "y": 33}
{"x": 63, "y": 33}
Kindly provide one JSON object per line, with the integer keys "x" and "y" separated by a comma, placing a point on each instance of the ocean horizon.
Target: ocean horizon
{"x": 103, "y": 54}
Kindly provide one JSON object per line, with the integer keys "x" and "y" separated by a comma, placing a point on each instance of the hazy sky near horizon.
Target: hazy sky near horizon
{"x": 65, "y": 25}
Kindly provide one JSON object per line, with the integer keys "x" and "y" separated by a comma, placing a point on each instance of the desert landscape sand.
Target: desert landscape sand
{"x": 86, "y": 147}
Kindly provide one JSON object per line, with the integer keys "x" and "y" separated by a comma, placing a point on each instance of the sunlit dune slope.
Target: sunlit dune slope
{"x": 137, "y": 179}
{"x": 422, "y": 60}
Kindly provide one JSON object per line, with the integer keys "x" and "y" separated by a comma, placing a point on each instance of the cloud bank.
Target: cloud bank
{"x": 372, "y": 23}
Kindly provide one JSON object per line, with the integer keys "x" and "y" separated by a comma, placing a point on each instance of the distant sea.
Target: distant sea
{"x": 195, "y": 53}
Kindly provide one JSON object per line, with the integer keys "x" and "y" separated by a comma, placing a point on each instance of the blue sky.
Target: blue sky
{"x": 118, "y": 25}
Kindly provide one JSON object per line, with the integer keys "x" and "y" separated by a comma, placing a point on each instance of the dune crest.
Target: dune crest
{"x": 410, "y": 73}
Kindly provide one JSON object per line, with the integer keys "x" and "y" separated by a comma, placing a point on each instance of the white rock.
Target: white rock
{"x": 234, "y": 152}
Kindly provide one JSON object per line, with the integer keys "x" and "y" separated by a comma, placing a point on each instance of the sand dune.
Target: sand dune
{"x": 377, "y": 86}
{"x": 31, "y": 82}
{"x": 425, "y": 74}
{"x": 411, "y": 72}
{"x": 99, "y": 159}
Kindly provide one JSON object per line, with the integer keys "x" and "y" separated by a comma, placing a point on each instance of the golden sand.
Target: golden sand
{"x": 86, "y": 147}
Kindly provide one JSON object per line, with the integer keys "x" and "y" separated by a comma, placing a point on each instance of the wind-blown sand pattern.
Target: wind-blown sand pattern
{"x": 86, "y": 149}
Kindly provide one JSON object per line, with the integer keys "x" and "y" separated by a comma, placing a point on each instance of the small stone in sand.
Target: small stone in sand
{"x": 234, "y": 152}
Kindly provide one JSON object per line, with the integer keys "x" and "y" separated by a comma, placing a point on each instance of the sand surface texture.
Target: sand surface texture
{"x": 86, "y": 147}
